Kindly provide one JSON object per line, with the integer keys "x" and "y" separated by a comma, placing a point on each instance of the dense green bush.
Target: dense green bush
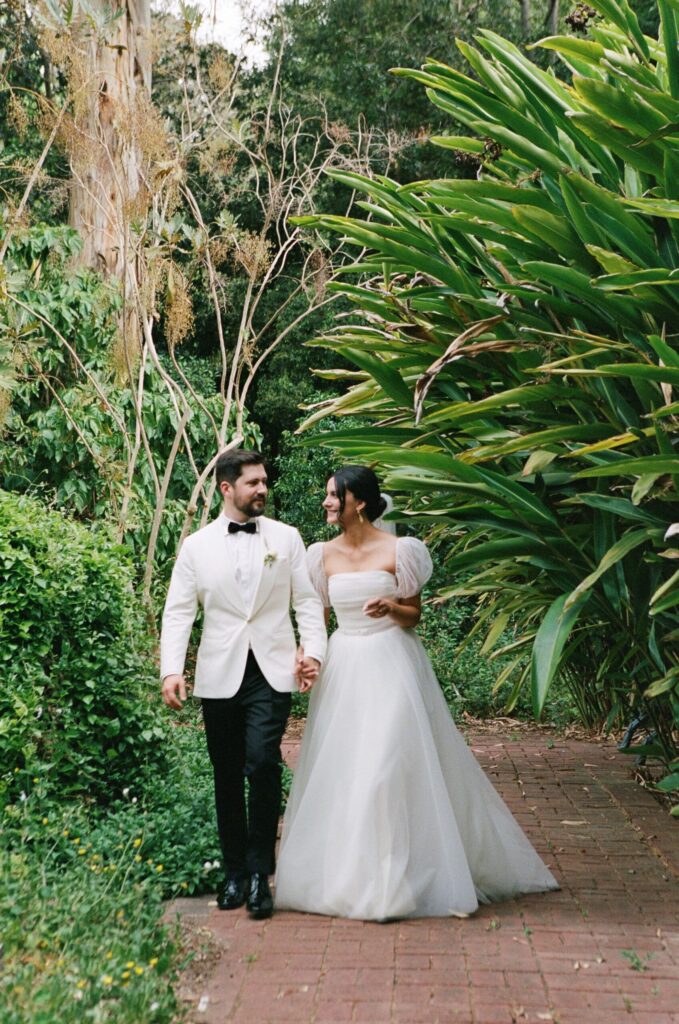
{"x": 79, "y": 701}
{"x": 516, "y": 351}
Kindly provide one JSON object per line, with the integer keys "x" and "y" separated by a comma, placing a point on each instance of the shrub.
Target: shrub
{"x": 515, "y": 344}
{"x": 79, "y": 701}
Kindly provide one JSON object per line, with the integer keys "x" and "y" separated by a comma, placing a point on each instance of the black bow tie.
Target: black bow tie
{"x": 245, "y": 527}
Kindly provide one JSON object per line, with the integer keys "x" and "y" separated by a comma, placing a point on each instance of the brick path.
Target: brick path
{"x": 605, "y": 949}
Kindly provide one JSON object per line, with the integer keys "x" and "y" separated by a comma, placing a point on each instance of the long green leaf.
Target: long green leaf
{"x": 669, "y": 35}
{"x": 628, "y": 542}
{"x": 548, "y": 646}
{"x": 633, "y": 467}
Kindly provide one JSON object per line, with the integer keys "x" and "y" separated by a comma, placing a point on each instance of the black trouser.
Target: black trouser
{"x": 244, "y": 735}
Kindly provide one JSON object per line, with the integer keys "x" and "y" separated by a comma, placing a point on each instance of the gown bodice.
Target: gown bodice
{"x": 348, "y": 593}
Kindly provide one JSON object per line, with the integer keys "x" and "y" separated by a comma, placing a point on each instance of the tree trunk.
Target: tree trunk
{"x": 107, "y": 186}
{"x": 552, "y": 19}
{"x": 525, "y": 18}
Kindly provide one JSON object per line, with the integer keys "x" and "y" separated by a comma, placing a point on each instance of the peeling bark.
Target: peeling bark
{"x": 108, "y": 182}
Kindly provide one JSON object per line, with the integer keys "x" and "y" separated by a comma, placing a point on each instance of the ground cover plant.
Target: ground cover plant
{"x": 517, "y": 356}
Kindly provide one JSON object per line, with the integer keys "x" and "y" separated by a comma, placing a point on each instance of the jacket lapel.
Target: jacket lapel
{"x": 267, "y": 574}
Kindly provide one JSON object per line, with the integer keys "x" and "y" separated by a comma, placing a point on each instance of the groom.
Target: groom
{"x": 245, "y": 570}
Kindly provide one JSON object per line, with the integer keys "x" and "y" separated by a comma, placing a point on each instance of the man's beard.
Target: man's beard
{"x": 249, "y": 509}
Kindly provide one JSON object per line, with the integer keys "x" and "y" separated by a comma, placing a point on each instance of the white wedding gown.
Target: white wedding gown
{"x": 390, "y": 815}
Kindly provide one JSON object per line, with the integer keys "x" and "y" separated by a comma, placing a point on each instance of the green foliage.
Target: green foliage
{"x": 79, "y": 697}
{"x": 170, "y": 819}
{"x": 467, "y": 676}
{"x": 339, "y": 53}
{"x": 301, "y": 473}
{"x": 29, "y": 87}
{"x": 71, "y": 424}
{"x": 82, "y": 890}
{"x": 514, "y": 338}
{"x": 82, "y": 938}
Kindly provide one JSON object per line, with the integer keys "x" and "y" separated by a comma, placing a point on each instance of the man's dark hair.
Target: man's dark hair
{"x": 229, "y": 465}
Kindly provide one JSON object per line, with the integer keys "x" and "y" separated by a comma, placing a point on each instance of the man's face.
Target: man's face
{"x": 248, "y": 494}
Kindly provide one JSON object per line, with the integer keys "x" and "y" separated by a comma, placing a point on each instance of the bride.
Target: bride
{"x": 389, "y": 814}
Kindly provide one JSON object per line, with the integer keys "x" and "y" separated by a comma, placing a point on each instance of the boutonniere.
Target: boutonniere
{"x": 270, "y": 557}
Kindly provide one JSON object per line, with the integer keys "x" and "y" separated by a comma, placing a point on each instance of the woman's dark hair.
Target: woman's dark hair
{"x": 364, "y": 486}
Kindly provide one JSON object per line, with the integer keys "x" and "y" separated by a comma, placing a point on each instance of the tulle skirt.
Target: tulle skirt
{"x": 389, "y": 815}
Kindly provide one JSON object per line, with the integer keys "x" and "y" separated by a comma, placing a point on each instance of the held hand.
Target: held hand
{"x": 307, "y": 673}
{"x": 377, "y": 607}
{"x": 299, "y": 658}
{"x": 174, "y": 691}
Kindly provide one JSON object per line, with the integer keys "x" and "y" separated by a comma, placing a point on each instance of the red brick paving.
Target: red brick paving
{"x": 605, "y": 949}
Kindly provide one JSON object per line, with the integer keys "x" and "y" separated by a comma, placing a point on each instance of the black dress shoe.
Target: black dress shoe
{"x": 260, "y": 900}
{"x": 232, "y": 894}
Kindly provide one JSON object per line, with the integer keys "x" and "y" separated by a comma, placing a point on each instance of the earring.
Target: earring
{"x": 360, "y": 517}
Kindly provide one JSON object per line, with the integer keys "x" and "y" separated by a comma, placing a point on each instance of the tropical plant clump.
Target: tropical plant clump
{"x": 517, "y": 353}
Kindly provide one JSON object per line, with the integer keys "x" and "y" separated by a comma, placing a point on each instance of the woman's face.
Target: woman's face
{"x": 331, "y": 504}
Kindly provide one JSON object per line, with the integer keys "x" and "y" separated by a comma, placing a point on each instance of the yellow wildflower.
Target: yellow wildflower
{"x": 159, "y": 867}
{"x": 137, "y": 858}
{"x": 130, "y": 963}
{"x": 139, "y": 970}
{"x": 45, "y": 821}
{"x": 153, "y": 961}
{"x": 137, "y": 842}
{"x": 126, "y": 974}
{"x": 107, "y": 980}
{"x": 109, "y": 955}
{"x": 81, "y": 984}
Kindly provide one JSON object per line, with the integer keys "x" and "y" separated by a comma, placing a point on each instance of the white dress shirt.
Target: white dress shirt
{"x": 247, "y": 553}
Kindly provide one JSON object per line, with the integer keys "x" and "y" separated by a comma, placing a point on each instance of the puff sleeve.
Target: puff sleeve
{"x": 413, "y": 566}
{"x": 314, "y": 561}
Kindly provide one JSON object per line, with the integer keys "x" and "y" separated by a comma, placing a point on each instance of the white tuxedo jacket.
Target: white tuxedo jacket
{"x": 204, "y": 574}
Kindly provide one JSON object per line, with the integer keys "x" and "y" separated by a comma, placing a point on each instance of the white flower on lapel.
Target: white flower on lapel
{"x": 271, "y": 557}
